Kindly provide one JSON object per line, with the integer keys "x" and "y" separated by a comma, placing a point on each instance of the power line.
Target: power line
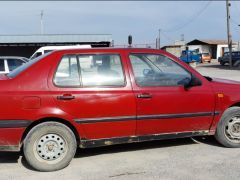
{"x": 193, "y": 18}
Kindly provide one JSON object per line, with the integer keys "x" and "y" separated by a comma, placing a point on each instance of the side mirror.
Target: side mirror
{"x": 190, "y": 82}
{"x": 195, "y": 81}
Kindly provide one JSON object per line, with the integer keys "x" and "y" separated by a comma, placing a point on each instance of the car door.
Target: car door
{"x": 95, "y": 89}
{"x": 163, "y": 104}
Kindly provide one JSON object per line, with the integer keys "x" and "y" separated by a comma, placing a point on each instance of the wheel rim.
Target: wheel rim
{"x": 51, "y": 148}
{"x": 232, "y": 129}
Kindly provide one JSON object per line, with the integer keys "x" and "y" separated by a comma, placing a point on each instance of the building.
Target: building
{"x": 215, "y": 47}
{"x": 26, "y": 45}
{"x": 176, "y": 48}
{"x": 173, "y": 49}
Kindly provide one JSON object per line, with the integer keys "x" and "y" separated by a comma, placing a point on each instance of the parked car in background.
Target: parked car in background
{"x": 189, "y": 56}
{"x": 206, "y": 57}
{"x": 226, "y": 56}
{"x": 96, "y": 97}
{"x": 9, "y": 63}
{"x": 46, "y": 49}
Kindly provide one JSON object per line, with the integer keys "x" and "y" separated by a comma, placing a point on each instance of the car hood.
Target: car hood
{"x": 225, "y": 86}
{"x": 225, "y": 81}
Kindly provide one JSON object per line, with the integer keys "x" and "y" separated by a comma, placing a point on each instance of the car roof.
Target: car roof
{"x": 12, "y": 57}
{"x": 109, "y": 49}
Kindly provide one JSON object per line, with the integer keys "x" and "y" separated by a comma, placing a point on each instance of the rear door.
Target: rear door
{"x": 163, "y": 105}
{"x": 95, "y": 89}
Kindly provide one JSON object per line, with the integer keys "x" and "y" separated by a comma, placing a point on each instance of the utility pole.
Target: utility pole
{"x": 159, "y": 33}
{"x": 229, "y": 34}
{"x": 41, "y": 21}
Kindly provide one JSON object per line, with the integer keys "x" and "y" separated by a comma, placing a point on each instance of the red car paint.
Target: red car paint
{"x": 31, "y": 97}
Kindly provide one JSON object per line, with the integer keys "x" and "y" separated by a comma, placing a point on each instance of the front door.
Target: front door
{"x": 163, "y": 104}
{"x": 95, "y": 89}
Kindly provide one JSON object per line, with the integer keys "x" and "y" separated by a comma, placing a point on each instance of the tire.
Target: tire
{"x": 222, "y": 63}
{"x": 49, "y": 146}
{"x": 228, "y": 129}
{"x": 236, "y": 64}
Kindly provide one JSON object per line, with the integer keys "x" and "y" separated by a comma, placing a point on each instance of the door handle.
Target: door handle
{"x": 144, "y": 96}
{"x": 65, "y": 97}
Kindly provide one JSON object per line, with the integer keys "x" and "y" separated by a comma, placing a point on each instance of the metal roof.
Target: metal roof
{"x": 55, "y": 38}
{"x": 208, "y": 41}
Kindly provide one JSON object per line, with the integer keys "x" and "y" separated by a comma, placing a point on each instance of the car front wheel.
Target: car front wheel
{"x": 228, "y": 129}
{"x": 49, "y": 146}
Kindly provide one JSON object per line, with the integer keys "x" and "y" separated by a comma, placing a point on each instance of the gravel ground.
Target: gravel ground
{"x": 189, "y": 158}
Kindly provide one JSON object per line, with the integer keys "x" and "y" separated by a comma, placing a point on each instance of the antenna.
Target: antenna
{"x": 41, "y": 21}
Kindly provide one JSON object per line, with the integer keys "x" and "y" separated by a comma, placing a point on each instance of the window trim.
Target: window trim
{"x": 80, "y": 75}
{"x": 132, "y": 53}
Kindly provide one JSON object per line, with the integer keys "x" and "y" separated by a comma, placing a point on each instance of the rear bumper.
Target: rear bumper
{"x": 11, "y": 133}
{"x": 10, "y": 148}
{"x": 10, "y": 138}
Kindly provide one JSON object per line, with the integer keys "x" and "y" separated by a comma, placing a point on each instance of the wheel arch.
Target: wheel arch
{"x": 237, "y": 104}
{"x": 47, "y": 119}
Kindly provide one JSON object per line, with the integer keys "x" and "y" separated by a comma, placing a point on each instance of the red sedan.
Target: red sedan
{"x": 96, "y": 97}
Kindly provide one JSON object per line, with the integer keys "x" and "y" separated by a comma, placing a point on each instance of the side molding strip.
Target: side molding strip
{"x": 105, "y": 119}
{"x": 14, "y": 123}
{"x": 153, "y": 117}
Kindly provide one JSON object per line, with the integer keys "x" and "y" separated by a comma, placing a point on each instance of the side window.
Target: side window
{"x": 157, "y": 70}
{"x": 2, "y": 67}
{"x": 67, "y": 73}
{"x": 14, "y": 63}
{"x": 101, "y": 70}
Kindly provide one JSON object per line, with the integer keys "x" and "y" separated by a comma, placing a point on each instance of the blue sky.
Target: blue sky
{"x": 141, "y": 19}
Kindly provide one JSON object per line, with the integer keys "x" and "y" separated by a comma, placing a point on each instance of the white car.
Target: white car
{"x": 46, "y": 49}
{"x": 9, "y": 63}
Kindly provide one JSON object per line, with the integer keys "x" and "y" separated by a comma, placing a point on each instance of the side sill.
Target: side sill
{"x": 10, "y": 148}
{"x": 90, "y": 143}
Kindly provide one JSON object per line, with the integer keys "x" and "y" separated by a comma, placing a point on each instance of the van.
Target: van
{"x": 46, "y": 49}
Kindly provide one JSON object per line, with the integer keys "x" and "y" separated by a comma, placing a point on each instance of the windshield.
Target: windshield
{"x": 25, "y": 66}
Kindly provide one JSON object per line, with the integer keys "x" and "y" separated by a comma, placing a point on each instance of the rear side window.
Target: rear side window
{"x": 90, "y": 70}
{"x": 14, "y": 63}
{"x": 2, "y": 68}
{"x": 67, "y": 73}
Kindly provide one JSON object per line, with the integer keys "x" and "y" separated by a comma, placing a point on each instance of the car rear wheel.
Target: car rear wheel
{"x": 228, "y": 129}
{"x": 49, "y": 146}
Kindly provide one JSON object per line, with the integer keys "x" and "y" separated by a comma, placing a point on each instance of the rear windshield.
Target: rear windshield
{"x": 25, "y": 66}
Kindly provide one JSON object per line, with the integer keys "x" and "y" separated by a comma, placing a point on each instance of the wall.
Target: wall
{"x": 202, "y": 48}
{"x": 221, "y": 48}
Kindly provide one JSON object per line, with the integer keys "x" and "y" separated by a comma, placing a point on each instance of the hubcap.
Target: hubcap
{"x": 51, "y": 147}
{"x": 233, "y": 129}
